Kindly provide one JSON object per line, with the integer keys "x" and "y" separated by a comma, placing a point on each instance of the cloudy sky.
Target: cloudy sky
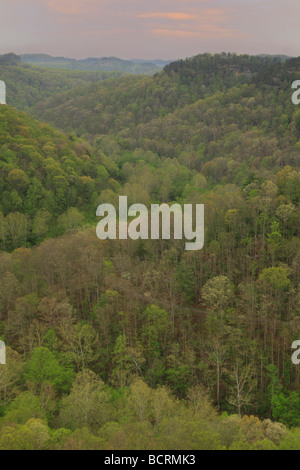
{"x": 165, "y": 29}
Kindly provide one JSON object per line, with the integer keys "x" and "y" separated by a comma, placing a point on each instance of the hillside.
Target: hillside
{"x": 141, "y": 344}
{"x": 28, "y": 85}
{"x": 43, "y": 173}
{"x": 206, "y": 109}
{"x": 124, "y": 103}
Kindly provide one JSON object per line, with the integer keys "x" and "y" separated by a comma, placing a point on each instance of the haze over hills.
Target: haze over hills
{"x": 127, "y": 103}
{"x": 107, "y": 64}
{"x": 135, "y": 66}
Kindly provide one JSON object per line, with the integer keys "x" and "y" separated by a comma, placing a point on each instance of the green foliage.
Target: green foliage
{"x": 136, "y": 344}
{"x": 275, "y": 278}
{"x": 108, "y": 64}
{"x": 33, "y": 435}
{"x": 44, "y": 367}
{"x": 43, "y": 176}
{"x": 286, "y": 409}
{"x": 23, "y": 408}
{"x": 86, "y": 405}
{"x": 291, "y": 441}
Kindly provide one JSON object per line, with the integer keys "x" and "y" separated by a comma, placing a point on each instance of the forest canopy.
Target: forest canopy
{"x": 174, "y": 349}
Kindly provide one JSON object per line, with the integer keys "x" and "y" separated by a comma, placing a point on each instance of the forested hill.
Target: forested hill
{"x": 106, "y": 64}
{"x": 125, "y": 103}
{"x": 43, "y": 173}
{"x": 28, "y": 85}
{"x": 141, "y": 344}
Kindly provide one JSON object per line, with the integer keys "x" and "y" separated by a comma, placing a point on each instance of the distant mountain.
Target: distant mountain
{"x": 9, "y": 59}
{"x": 106, "y": 64}
{"x": 158, "y": 62}
{"x": 282, "y": 58}
{"x": 26, "y": 84}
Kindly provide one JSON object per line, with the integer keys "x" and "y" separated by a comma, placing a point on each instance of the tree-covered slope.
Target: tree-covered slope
{"x": 141, "y": 344}
{"x": 28, "y": 85}
{"x": 43, "y": 172}
{"x": 122, "y": 104}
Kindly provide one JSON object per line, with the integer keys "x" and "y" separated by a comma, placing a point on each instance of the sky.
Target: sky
{"x": 156, "y": 29}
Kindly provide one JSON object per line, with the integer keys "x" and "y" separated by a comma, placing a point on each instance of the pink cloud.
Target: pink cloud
{"x": 65, "y": 7}
{"x": 206, "y": 31}
{"x": 139, "y": 28}
{"x": 169, "y": 15}
{"x": 206, "y": 23}
{"x": 71, "y": 7}
{"x": 215, "y": 14}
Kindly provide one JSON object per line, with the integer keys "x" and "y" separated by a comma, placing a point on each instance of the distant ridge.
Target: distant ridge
{"x": 282, "y": 58}
{"x": 107, "y": 64}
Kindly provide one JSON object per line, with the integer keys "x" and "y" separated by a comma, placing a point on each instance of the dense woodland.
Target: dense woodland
{"x": 141, "y": 344}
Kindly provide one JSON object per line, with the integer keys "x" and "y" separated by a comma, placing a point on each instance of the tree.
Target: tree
{"x": 71, "y": 219}
{"x": 139, "y": 400}
{"x": 243, "y": 383}
{"x": 291, "y": 441}
{"x": 200, "y": 402}
{"x": 18, "y": 180}
{"x": 163, "y": 405}
{"x": 44, "y": 367}
{"x": 127, "y": 362}
{"x": 87, "y": 404}
{"x": 33, "y": 435}
{"x": 218, "y": 293}
{"x": 18, "y": 226}
{"x": 286, "y": 408}
{"x": 216, "y": 352}
{"x": 24, "y": 407}
{"x": 9, "y": 291}
{"x": 41, "y": 222}
{"x": 187, "y": 434}
{"x": 10, "y": 377}
{"x": 80, "y": 341}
